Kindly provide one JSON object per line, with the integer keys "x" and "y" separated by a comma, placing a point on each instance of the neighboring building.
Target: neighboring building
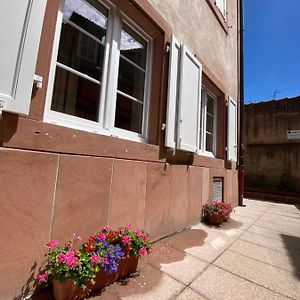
{"x": 124, "y": 123}
{"x": 272, "y": 148}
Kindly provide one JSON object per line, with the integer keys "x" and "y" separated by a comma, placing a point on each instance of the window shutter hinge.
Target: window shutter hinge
{"x": 1, "y": 108}
{"x": 163, "y": 126}
{"x": 226, "y": 148}
{"x": 38, "y": 81}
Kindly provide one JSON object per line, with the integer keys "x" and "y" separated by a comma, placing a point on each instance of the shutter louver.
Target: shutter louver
{"x": 20, "y": 28}
{"x": 189, "y": 102}
{"x": 232, "y": 130}
{"x": 174, "y": 67}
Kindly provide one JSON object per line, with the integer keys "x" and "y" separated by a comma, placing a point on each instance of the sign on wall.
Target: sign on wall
{"x": 293, "y": 134}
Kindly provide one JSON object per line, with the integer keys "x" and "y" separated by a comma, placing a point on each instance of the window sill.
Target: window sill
{"x": 218, "y": 15}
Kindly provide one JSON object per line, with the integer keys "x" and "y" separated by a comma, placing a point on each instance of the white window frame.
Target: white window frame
{"x": 108, "y": 92}
{"x": 202, "y": 146}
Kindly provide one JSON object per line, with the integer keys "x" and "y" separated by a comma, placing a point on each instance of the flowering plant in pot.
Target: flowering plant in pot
{"x": 106, "y": 257}
{"x": 215, "y": 212}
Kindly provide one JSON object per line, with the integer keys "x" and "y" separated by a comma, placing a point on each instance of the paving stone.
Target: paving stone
{"x": 176, "y": 263}
{"x": 284, "y": 228}
{"x": 270, "y": 277}
{"x": 275, "y": 244}
{"x": 263, "y": 254}
{"x": 189, "y": 294}
{"x": 151, "y": 284}
{"x": 216, "y": 283}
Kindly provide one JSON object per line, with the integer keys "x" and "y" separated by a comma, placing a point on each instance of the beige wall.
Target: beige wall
{"x": 195, "y": 24}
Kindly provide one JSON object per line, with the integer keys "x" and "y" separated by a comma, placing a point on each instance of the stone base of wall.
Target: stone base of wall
{"x": 52, "y": 196}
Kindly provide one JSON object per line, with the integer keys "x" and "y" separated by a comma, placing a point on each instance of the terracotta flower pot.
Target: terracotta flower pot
{"x": 66, "y": 290}
{"x": 215, "y": 219}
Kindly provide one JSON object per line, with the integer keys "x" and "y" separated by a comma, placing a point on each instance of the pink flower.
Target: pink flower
{"x": 61, "y": 257}
{"x": 106, "y": 228}
{"x": 145, "y": 238}
{"x": 138, "y": 232}
{"x": 52, "y": 244}
{"x": 101, "y": 237}
{"x": 126, "y": 239}
{"x": 143, "y": 251}
{"x": 71, "y": 259}
{"x": 95, "y": 258}
{"x": 128, "y": 226}
{"x": 42, "y": 277}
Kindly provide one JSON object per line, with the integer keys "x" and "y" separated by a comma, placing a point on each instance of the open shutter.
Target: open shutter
{"x": 20, "y": 28}
{"x": 189, "y": 101}
{"x": 174, "y": 66}
{"x": 232, "y": 130}
{"x": 221, "y": 5}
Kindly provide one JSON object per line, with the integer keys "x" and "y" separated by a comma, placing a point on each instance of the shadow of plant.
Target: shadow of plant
{"x": 30, "y": 285}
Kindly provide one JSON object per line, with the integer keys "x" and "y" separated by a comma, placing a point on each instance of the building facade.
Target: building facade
{"x": 112, "y": 112}
{"x": 272, "y": 149}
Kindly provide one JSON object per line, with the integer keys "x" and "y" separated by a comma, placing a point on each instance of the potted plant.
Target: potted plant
{"x": 106, "y": 257}
{"x": 215, "y": 212}
{"x": 228, "y": 209}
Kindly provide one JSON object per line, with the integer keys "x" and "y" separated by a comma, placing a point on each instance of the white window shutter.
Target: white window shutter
{"x": 232, "y": 130}
{"x": 221, "y": 4}
{"x": 20, "y": 28}
{"x": 173, "y": 84}
{"x": 189, "y": 102}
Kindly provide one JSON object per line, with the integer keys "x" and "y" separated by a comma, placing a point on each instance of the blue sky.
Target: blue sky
{"x": 272, "y": 49}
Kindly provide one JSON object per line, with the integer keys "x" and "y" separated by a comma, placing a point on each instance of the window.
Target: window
{"x": 101, "y": 72}
{"x": 208, "y": 124}
{"x": 217, "y": 189}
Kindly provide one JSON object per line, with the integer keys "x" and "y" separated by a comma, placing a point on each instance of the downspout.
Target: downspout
{"x": 241, "y": 166}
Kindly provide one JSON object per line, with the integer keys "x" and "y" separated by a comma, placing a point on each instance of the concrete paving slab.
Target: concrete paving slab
{"x": 271, "y": 233}
{"x": 216, "y": 283}
{"x": 281, "y": 220}
{"x": 275, "y": 279}
{"x": 189, "y": 294}
{"x": 268, "y": 256}
{"x": 176, "y": 263}
{"x": 284, "y": 228}
{"x": 276, "y": 244}
{"x": 151, "y": 284}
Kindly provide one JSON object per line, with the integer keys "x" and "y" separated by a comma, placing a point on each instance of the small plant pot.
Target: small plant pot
{"x": 66, "y": 290}
{"x": 215, "y": 220}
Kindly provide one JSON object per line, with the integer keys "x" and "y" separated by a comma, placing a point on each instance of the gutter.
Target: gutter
{"x": 241, "y": 166}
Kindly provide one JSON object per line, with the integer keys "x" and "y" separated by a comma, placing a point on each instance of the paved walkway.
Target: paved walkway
{"x": 256, "y": 255}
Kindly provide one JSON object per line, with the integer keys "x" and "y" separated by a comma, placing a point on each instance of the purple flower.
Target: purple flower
{"x": 101, "y": 237}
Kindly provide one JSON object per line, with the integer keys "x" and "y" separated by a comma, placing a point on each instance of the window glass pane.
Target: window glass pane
{"x": 80, "y": 52}
{"x": 131, "y": 80}
{"x": 92, "y": 18}
{"x": 133, "y": 46}
{"x": 75, "y": 95}
{"x": 209, "y": 123}
{"x": 129, "y": 114}
{"x": 209, "y": 142}
{"x": 210, "y": 105}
